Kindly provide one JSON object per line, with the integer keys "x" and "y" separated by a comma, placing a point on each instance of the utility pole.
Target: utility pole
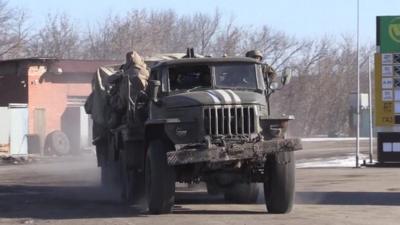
{"x": 371, "y": 134}
{"x": 358, "y": 86}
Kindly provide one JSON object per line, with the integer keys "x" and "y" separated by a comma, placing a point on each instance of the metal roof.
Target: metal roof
{"x": 81, "y": 66}
{"x": 207, "y": 60}
{"x": 67, "y": 65}
{"x": 40, "y": 59}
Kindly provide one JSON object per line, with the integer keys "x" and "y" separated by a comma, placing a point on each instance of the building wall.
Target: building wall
{"x": 50, "y": 91}
{"x": 13, "y": 83}
{"x": 49, "y": 86}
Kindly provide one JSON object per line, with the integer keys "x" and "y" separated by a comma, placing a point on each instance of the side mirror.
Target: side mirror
{"x": 275, "y": 85}
{"x": 154, "y": 85}
{"x": 286, "y": 76}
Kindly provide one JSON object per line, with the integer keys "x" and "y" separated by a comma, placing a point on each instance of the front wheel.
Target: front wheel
{"x": 160, "y": 179}
{"x": 279, "y": 183}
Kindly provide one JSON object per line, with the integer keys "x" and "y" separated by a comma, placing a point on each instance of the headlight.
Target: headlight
{"x": 262, "y": 109}
{"x": 181, "y": 131}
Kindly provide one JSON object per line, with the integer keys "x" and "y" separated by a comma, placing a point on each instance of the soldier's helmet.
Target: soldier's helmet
{"x": 254, "y": 54}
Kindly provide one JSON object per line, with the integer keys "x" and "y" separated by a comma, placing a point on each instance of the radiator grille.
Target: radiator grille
{"x": 229, "y": 120}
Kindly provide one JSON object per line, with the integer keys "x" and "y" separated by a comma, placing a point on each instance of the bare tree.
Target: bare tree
{"x": 229, "y": 40}
{"x": 278, "y": 48}
{"x": 97, "y": 42}
{"x": 324, "y": 68}
{"x": 58, "y": 38}
{"x": 153, "y": 32}
{"x": 13, "y": 33}
{"x": 205, "y": 28}
{"x": 319, "y": 94}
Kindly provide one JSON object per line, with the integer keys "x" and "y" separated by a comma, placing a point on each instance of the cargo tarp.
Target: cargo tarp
{"x": 96, "y": 104}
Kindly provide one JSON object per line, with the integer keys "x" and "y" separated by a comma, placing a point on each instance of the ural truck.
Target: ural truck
{"x": 200, "y": 120}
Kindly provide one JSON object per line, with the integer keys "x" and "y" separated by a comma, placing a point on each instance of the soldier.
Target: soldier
{"x": 268, "y": 71}
{"x": 127, "y": 84}
{"x": 135, "y": 66}
{"x": 137, "y": 72}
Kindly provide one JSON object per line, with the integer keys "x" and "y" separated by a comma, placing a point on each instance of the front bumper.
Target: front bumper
{"x": 252, "y": 151}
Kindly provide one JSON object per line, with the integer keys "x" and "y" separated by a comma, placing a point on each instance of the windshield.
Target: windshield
{"x": 193, "y": 77}
{"x": 189, "y": 77}
{"x": 236, "y": 76}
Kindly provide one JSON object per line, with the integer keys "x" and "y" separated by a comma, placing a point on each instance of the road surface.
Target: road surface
{"x": 66, "y": 191}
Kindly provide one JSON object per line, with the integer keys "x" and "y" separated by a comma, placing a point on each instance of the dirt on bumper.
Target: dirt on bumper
{"x": 232, "y": 152}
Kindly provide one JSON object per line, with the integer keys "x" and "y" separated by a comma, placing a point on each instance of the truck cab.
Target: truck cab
{"x": 208, "y": 121}
{"x": 204, "y": 101}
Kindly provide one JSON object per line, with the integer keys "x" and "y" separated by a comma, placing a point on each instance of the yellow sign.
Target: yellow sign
{"x": 388, "y": 107}
{"x": 384, "y": 106}
{"x": 394, "y": 29}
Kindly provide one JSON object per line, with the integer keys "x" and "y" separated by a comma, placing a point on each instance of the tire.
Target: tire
{"x": 132, "y": 181}
{"x": 279, "y": 183}
{"x": 110, "y": 175}
{"x": 105, "y": 176}
{"x": 213, "y": 189}
{"x": 242, "y": 193}
{"x": 160, "y": 179}
{"x": 57, "y": 143}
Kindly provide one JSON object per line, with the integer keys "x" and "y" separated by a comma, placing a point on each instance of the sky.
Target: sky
{"x": 302, "y": 18}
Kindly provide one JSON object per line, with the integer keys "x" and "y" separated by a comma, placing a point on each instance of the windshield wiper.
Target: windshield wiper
{"x": 196, "y": 88}
{"x": 238, "y": 88}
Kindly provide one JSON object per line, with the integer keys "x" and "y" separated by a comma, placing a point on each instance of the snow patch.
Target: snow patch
{"x": 342, "y": 161}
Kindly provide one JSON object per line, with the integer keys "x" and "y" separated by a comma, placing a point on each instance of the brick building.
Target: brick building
{"x": 49, "y": 87}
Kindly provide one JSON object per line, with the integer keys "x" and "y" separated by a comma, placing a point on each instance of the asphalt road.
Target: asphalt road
{"x": 66, "y": 191}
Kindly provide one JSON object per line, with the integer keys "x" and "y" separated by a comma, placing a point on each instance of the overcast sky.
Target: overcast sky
{"x": 300, "y": 18}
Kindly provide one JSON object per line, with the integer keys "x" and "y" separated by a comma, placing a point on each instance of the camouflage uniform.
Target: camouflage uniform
{"x": 126, "y": 86}
{"x": 268, "y": 71}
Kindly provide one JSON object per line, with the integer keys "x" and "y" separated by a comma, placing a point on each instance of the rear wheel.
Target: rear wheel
{"x": 160, "y": 179}
{"x": 212, "y": 188}
{"x": 132, "y": 180}
{"x": 279, "y": 184}
{"x": 110, "y": 175}
{"x": 243, "y": 193}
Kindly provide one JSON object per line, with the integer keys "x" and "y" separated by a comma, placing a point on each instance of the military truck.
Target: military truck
{"x": 202, "y": 120}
